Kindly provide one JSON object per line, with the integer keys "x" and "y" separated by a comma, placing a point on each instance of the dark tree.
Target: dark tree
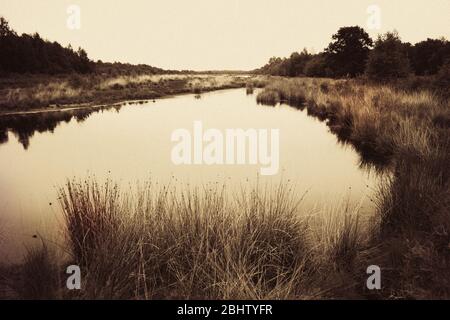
{"x": 442, "y": 80}
{"x": 428, "y": 56}
{"x": 293, "y": 66}
{"x": 32, "y": 54}
{"x": 5, "y": 30}
{"x": 275, "y": 66}
{"x": 317, "y": 67}
{"x": 297, "y": 63}
{"x": 347, "y": 54}
{"x": 389, "y": 58}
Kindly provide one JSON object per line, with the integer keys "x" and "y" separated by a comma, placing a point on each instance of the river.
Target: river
{"x": 132, "y": 142}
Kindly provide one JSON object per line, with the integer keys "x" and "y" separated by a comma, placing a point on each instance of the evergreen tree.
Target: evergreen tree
{"x": 32, "y": 54}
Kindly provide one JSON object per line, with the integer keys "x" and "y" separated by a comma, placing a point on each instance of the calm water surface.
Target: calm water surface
{"x": 132, "y": 142}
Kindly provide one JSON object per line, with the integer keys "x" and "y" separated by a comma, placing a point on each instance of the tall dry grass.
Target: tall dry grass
{"x": 49, "y": 91}
{"x": 407, "y": 133}
{"x": 168, "y": 243}
{"x": 165, "y": 243}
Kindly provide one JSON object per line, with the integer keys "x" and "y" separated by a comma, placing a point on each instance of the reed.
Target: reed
{"x": 162, "y": 242}
{"x": 407, "y": 134}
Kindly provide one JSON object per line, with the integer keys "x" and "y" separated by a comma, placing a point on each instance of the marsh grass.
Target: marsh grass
{"x": 153, "y": 242}
{"x": 250, "y": 88}
{"x": 191, "y": 244}
{"x": 407, "y": 134}
{"x": 46, "y": 91}
{"x": 38, "y": 275}
{"x": 164, "y": 242}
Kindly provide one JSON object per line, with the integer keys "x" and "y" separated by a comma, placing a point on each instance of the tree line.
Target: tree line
{"x": 31, "y": 54}
{"x": 353, "y": 53}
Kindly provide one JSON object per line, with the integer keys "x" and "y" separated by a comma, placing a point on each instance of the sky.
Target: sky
{"x": 217, "y": 34}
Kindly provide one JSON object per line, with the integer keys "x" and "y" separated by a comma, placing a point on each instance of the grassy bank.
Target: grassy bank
{"x": 163, "y": 243}
{"x": 166, "y": 243}
{"x": 24, "y": 93}
{"x": 408, "y": 132}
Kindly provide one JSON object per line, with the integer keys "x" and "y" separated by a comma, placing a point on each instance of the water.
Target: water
{"x": 38, "y": 152}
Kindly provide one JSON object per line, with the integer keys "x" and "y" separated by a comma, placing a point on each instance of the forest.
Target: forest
{"x": 352, "y": 53}
{"x": 31, "y": 54}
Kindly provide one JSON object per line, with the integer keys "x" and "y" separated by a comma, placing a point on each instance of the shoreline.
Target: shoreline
{"x": 52, "y": 94}
{"x": 94, "y": 105}
{"x": 407, "y": 128}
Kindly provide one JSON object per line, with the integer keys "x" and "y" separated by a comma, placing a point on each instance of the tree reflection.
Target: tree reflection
{"x": 24, "y": 126}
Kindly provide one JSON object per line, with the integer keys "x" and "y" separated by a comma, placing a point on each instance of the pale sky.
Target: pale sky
{"x": 217, "y": 34}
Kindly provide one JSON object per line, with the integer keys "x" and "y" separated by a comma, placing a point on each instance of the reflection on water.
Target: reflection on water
{"x": 132, "y": 143}
{"x": 370, "y": 157}
{"x": 23, "y": 126}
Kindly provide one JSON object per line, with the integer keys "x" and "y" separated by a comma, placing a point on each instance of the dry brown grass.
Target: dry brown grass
{"x": 168, "y": 243}
{"x": 96, "y": 89}
{"x": 409, "y": 133}
{"x": 160, "y": 242}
